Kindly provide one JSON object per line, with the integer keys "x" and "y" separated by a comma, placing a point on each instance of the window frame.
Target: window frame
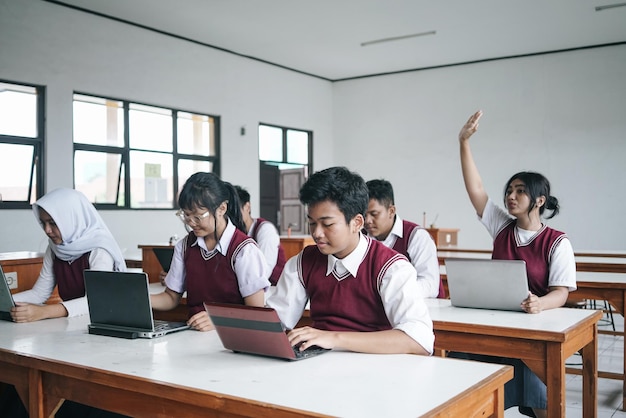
{"x": 284, "y": 160}
{"x": 39, "y": 148}
{"x": 126, "y": 150}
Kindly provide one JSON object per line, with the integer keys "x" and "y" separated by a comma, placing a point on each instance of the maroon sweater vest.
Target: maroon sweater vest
{"x": 280, "y": 261}
{"x": 69, "y": 276}
{"x": 537, "y": 253}
{"x": 351, "y": 304}
{"x": 402, "y": 245}
{"x": 211, "y": 278}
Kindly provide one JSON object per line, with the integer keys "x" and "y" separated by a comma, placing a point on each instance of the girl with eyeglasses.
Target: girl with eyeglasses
{"x": 216, "y": 261}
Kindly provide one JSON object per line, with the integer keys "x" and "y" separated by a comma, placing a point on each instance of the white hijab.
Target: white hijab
{"x": 81, "y": 226}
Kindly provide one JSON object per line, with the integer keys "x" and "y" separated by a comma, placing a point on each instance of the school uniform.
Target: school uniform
{"x": 417, "y": 245}
{"x": 232, "y": 271}
{"x": 371, "y": 289}
{"x": 549, "y": 262}
{"x": 268, "y": 240}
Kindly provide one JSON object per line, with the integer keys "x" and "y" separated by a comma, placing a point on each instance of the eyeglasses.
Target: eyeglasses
{"x": 191, "y": 219}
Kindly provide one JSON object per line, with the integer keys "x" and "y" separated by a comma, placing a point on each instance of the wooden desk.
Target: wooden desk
{"x": 294, "y": 244}
{"x": 27, "y": 265}
{"x": 190, "y": 374}
{"x": 610, "y": 287}
{"x": 543, "y": 341}
{"x": 444, "y": 237}
{"x": 149, "y": 261}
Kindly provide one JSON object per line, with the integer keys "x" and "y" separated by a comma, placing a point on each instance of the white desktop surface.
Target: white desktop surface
{"x": 335, "y": 383}
{"x": 549, "y": 321}
{"x": 600, "y": 277}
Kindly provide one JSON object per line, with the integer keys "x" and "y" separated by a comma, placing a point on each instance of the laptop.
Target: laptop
{"x": 164, "y": 255}
{"x": 255, "y": 330}
{"x": 487, "y": 284}
{"x": 119, "y": 306}
{"x": 6, "y": 300}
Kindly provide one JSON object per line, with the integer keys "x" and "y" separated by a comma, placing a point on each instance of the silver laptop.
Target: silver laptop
{"x": 6, "y": 300}
{"x": 119, "y": 306}
{"x": 487, "y": 284}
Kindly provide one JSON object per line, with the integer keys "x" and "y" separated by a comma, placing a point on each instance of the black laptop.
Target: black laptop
{"x": 255, "y": 330}
{"x": 119, "y": 306}
{"x": 6, "y": 300}
{"x": 164, "y": 255}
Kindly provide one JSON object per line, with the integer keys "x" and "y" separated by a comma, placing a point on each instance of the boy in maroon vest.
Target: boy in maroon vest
{"x": 265, "y": 234}
{"x": 363, "y": 296}
{"x": 383, "y": 223}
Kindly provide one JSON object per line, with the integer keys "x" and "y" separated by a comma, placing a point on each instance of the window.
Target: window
{"x": 137, "y": 156}
{"x": 21, "y": 144}
{"x": 285, "y": 147}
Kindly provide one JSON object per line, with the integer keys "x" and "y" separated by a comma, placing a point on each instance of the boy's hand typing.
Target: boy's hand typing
{"x": 306, "y": 337}
{"x": 201, "y": 322}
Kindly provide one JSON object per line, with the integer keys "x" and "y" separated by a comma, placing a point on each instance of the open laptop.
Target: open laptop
{"x": 119, "y": 306}
{"x": 6, "y": 300}
{"x": 164, "y": 255}
{"x": 487, "y": 284}
{"x": 255, "y": 330}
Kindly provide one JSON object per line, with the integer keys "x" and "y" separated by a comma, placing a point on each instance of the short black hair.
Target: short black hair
{"x": 382, "y": 191}
{"x": 339, "y": 185}
{"x": 244, "y": 196}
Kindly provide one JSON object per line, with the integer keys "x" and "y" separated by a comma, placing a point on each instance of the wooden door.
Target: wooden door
{"x": 292, "y": 211}
{"x": 269, "y": 190}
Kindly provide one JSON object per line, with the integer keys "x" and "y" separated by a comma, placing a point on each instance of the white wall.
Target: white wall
{"x": 563, "y": 115}
{"x": 67, "y": 51}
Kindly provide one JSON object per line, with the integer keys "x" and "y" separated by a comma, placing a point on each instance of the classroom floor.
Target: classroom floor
{"x": 610, "y": 358}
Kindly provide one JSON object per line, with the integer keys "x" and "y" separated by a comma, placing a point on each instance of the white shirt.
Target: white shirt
{"x": 268, "y": 240}
{"x": 405, "y": 309}
{"x": 563, "y": 263}
{"x": 422, "y": 254}
{"x": 250, "y": 266}
{"x": 99, "y": 259}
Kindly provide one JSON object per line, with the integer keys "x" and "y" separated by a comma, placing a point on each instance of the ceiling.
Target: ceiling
{"x": 324, "y": 38}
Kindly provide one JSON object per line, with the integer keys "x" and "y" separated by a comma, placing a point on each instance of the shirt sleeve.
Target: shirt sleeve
{"x": 251, "y": 270}
{"x": 176, "y": 276}
{"x": 423, "y": 254}
{"x": 563, "y": 266}
{"x": 268, "y": 241}
{"x": 99, "y": 259}
{"x": 289, "y": 297}
{"x": 44, "y": 285}
{"x": 494, "y": 218}
{"x": 405, "y": 308}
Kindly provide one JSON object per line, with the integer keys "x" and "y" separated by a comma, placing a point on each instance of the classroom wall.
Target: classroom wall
{"x": 560, "y": 114}
{"x": 563, "y": 115}
{"x": 67, "y": 50}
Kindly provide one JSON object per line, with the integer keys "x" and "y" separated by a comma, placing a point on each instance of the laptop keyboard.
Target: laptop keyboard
{"x": 160, "y": 325}
{"x": 309, "y": 352}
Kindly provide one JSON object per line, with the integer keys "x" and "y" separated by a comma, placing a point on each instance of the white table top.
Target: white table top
{"x": 351, "y": 384}
{"x": 552, "y": 321}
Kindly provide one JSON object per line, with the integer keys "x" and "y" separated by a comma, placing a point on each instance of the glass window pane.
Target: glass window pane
{"x": 297, "y": 147}
{"x": 98, "y": 121}
{"x": 270, "y": 143}
{"x": 150, "y": 128}
{"x": 96, "y": 174}
{"x": 188, "y": 167}
{"x": 15, "y": 167}
{"x": 151, "y": 180}
{"x": 195, "y": 134}
{"x": 18, "y": 107}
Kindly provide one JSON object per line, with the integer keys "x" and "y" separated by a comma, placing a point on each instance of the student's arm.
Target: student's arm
{"x": 166, "y": 300}
{"x": 269, "y": 241}
{"x": 423, "y": 254}
{"x": 555, "y": 298}
{"x": 471, "y": 176}
{"x": 99, "y": 259}
{"x": 412, "y": 331}
{"x": 289, "y": 296}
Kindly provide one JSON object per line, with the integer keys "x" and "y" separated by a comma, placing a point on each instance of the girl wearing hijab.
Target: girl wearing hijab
{"x": 78, "y": 239}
